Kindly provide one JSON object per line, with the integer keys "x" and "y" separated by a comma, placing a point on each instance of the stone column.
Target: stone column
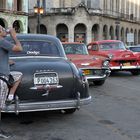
{"x": 71, "y": 33}
{"x": 25, "y": 6}
{"x": 9, "y": 5}
{"x": 89, "y": 34}
{"x": 100, "y": 34}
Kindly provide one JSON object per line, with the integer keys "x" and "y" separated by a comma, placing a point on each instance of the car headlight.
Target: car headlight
{"x": 110, "y": 56}
{"x": 106, "y": 63}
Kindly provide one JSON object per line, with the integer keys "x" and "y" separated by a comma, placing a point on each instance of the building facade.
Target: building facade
{"x": 88, "y": 20}
{"x": 14, "y": 13}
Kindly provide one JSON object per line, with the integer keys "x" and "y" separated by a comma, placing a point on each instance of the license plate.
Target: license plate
{"x": 86, "y": 72}
{"x": 46, "y": 78}
{"x": 126, "y": 64}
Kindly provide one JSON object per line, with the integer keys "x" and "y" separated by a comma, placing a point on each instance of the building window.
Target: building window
{"x": 62, "y": 3}
{"x": 127, "y": 7}
{"x": 117, "y": 6}
{"x": 83, "y": 1}
{"x": 105, "y": 4}
{"x": 89, "y": 3}
{"x": 122, "y": 6}
{"x": 2, "y": 4}
{"x": 19, "y": 5}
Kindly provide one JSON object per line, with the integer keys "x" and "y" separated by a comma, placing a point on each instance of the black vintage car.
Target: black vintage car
{"x": 50, "y": 81}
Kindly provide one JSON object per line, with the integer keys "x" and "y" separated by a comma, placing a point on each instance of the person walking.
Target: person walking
{"x": 5, "y": 48}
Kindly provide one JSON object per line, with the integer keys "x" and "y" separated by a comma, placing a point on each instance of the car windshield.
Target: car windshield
{"x": 42, "y": 48}
{"x": 75, "y": 49}
{"x": 135, "y": 49}
{"x": 112, "y": 46}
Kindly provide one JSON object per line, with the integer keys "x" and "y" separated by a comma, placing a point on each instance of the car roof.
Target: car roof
{"x": 104, "y": 41}
{"x": 35, "y": 36}
{"x": 134, "y": 46}
{"x": 72, "y": 43}
{"x": 40, "y": 37}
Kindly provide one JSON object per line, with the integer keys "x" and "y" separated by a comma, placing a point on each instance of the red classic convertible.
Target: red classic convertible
{"x": 121, "y": 58}
{"x": 94, "y": 68}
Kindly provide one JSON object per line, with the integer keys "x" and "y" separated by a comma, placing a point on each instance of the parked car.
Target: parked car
{"x": 121, "y": 58}
{"x": 50, "y": 81}
{"x": 95, "y": 68}
{"x": 135, "y": 49}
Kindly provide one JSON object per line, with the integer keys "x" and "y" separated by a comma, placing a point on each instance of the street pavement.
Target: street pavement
{"x": 113, "y": 114}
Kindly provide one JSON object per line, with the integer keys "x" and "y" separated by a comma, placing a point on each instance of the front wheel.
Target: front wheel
{"x": 99, "y": 83}
{"x": 135, "y": 72}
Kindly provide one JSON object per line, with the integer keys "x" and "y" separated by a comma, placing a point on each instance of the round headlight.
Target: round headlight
{"x": 110, "y": 56}
{"x": 106, "y": 63}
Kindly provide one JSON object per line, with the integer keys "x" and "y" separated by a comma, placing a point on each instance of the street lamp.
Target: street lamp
{"x": 38, "y": 10}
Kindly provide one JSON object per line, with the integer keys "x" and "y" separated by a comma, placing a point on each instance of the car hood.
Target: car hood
{"x": 119, "y": 54}
{"x": 137, "y": 54}
{"x": 85, "y": 60}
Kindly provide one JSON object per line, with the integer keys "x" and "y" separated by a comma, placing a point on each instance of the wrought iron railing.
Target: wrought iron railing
{"x": 92, "y": 11}
{"x": 13, "y": 12}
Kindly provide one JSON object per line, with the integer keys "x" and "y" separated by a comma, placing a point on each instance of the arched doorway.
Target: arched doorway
{"x": 18, "y": 26}
{"x": 111, "y": 32}
{"x": 135, "y": 37}
{"x": 105, "y": 32}
{"x": 117, "y": 32}
{"x": 29, "y": 30}
{"x": 122, "y": 34}
{"x": 95, "y": 32}
{"x": 131, "y": 31}
{"x": 80, "y": 33}
{"x": 126, "y": 33}
{"x": 62, "y": 32}
{"x": 43, "y": 29}
{"x": 139, "y": 37}
{"x": 3, "y": 23}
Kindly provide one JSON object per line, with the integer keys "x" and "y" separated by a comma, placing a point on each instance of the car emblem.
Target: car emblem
{"x": 43, "y": 70}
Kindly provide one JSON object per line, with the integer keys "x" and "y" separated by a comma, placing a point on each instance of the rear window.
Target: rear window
{"x": 38, "y": 48}
{"x": 75, "y": 49}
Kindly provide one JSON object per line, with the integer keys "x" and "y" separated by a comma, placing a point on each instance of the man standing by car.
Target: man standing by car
{"x": 5, "y": 48}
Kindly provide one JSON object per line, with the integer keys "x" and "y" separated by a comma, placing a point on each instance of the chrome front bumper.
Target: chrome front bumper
{"x": 48, "y": 105}
{"x": 124, "y": 67}
{"x": 98, "y": 77}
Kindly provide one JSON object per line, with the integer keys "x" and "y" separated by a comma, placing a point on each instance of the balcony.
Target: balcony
{"x": 13, "y": 12}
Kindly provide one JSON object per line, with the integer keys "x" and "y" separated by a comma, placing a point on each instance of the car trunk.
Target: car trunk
{"x": 29, "y": 66}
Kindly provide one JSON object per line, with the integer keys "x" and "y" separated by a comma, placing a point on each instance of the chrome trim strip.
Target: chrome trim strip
{"x": 90, "y": 77}
{"x": 91, "y": 68}
{"x": 19, "y": 57}
{"x": 94, "y": 77}
{"x": 42, "y": 106}
{"x": 124, "y": 67}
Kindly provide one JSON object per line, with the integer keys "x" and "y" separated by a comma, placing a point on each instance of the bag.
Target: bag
{"x": 9, "y": 82}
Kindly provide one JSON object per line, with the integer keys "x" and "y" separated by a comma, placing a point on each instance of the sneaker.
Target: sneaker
{"x": 4, "y": 134}
{"x": 10, "y": 99}
{"x": 9, "y": 102}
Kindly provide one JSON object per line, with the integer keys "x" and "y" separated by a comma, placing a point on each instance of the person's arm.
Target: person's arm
{"x": 17, "y": 46}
